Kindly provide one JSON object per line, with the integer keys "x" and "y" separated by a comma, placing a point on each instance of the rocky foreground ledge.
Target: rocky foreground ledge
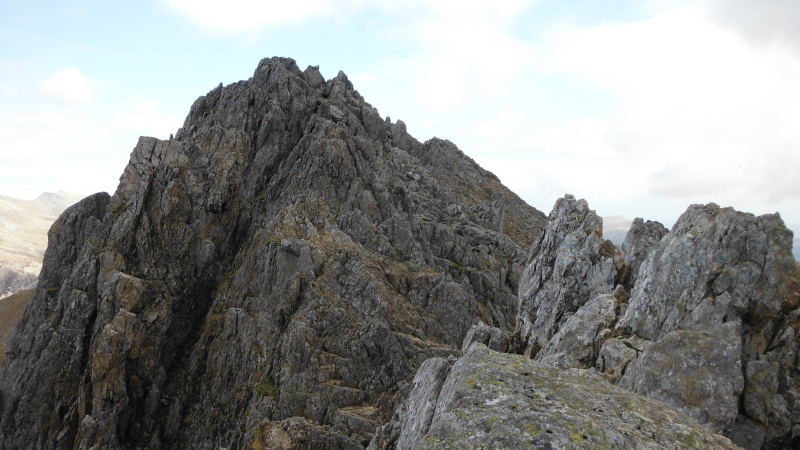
{"x": 495, "y": 400}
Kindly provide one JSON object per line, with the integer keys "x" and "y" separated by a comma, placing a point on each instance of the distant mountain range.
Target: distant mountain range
{"x": 23, "y": 237}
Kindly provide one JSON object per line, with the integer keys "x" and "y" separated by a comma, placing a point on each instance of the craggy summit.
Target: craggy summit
{"x": 288, "y": 254}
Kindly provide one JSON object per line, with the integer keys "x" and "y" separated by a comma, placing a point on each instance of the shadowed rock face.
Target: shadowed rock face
{"x": 288, "y": 254}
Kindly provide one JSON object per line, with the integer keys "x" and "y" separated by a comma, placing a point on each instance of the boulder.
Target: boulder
{"x": 697, "y": 371}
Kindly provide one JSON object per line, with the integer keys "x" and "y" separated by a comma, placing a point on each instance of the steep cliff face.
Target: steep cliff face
{"x": 288, "y": 254}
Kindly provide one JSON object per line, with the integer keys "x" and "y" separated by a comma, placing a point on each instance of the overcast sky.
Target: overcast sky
{"x": 641, "y": 107}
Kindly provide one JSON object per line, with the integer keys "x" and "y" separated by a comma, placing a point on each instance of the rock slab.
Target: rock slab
{"x": 502, "y": 401}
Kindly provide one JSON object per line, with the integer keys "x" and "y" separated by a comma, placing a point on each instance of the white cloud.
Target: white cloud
{"x": 704, "y": 112}
{"x": 249, "y": 16}
{"x": 68, "y": 85}
{"x": 763, "y": 21}
{"x": 466, "y": 53}
{"x": 143, "y": 115}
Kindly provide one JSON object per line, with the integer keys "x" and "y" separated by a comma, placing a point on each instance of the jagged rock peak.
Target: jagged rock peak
{"x": 280, "y": 268}
{"x": 641, "y": 238}
{"x": 570, "y": 264}
{"x": 715, "y": 265}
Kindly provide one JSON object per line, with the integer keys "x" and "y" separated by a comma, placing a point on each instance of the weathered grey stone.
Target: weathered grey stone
{"x": 570, "y": 264}
{"x": 640, "y": 240}
{"x": 421, "y": 403}
{"x": 492, "y": 337}
{"x": 495, "y": 400}
{"x": 616, "y": 354}
{"x": 698, "y": 371}
{"x": 717, "y": 266}
{"x": 579, "y": 340}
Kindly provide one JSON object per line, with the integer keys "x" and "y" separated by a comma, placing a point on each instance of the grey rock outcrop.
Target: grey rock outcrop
{"x": 720, "y": 266}
{"x": 492, "y": 337}
{"x": 278, "y": 270}
{"x": 569, "y": 265}
{"x": 578, "y": 342}
{"x": 496, "y": 400}
{"x": 640, "y": 240}
{"x": 616, "y": 354}
{"x": 711, "y": 324}
{"x": 697, "y": 371}
{"x": 716, "y": 265}
{"x": 421, "y": 404}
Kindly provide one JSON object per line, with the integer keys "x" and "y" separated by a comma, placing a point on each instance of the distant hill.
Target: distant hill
{"x": 23, "y": 237}
{"x": 615, "y": 228}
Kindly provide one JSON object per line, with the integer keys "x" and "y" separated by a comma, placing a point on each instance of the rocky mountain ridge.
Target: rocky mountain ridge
{"x": 293, "y": 271}
{"x": 288, "y": 254}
